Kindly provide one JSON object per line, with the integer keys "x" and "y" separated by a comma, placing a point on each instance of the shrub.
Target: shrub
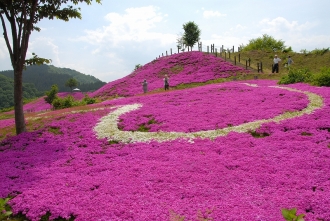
{"x": 322, "y": 78}
{"x": 319, "y": 51}
{"x": 296, "y": 76}
{"x": 89, "y": 100}
{"x": 61, "y": 103}
{"x": 52, "y": 94}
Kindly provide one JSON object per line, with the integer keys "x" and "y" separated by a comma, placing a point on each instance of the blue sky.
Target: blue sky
{"x": 113, "y": 37}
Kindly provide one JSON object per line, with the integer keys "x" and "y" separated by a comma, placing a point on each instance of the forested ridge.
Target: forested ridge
{"x": 38, "y": 79}
{"x": 7, "y": 91}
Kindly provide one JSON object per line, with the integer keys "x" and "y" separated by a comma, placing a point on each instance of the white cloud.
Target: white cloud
{"x": 3, "y": 49}
{"x": 280, "y": 24}
{"x": 135, "y": 25}
{"x": 210, "y": 14}
{"x": 45, "y": 48}
{"x": 295, "y": 34}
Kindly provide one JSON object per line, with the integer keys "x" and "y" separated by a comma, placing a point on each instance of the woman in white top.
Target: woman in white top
{"x": 276, "y": 64}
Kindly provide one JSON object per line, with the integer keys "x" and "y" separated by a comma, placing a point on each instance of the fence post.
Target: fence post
{"x": 235, "y": 59}
{"x": 222, "y": 48}
{"x": 233, "y": 49}
{"x": 171, "y": 51}
{"x": 216, "y": 53}
{"x": 249, "y": 62}
{"x": 239, "y": 58}
{"x": 225, "y": 57}
{"x": 207, "y": 49}
{"x": 258, "y": 67}
{"x": 261, "y": 67}
{"x": 229, "y": 54}
{"x": 246, "y": 64}
{"x": 166, "y": 53}
{"x": 162, "y": 54}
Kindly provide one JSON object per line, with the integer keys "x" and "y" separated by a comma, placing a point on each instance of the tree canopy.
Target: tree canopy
{"x": 71, "y": 83}
{"x": 265, "y": 43}
{"x": 22, "y": 17}
{"x": 191, "y": 34}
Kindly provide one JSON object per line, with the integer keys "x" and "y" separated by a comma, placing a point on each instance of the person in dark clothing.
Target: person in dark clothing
{"x": 145, "y": 86}
{"x": 166, "y": 82}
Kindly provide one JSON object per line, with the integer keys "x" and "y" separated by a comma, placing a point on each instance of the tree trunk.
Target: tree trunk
{"x": 18, "y": 100}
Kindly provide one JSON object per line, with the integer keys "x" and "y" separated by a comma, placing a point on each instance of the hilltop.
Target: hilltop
{"x": 183, "y": 68}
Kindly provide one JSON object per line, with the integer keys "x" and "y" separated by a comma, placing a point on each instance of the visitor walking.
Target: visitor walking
{"x": 145, "y": 86}
{"x": 290, "y": 61}
{"x": 166, "y": 82}
{"x": 276, "y": 63}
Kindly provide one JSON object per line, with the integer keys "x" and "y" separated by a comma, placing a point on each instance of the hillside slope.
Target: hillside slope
{"x": 44, "y": 76}
{"x": 182, "y": 68}
{"x": 7, "y": 91}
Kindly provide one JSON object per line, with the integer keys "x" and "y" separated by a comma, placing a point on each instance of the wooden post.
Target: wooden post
{"x": 171, "y": 51}
{"x": 249, "y": 62}
{"x": 207, "y": 49}
{"x": 225, "y": 57}
{"x": 235, "y": 59}
{"x": 222, "y": 48}
{"x": 166, "y": 53}
{"x": 216, "y": 53}
{"x": 178, "y": 49}
{"x": 258, "y": 67}
{"x": 261, "y": 67}
{"x": 233, "y": 49}
{"x": 229, "y": 54}
{"x": 246, "y": 64}
{"x": 162, "y": 54}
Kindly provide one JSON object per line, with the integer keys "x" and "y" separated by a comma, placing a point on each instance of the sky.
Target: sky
{"x": 113, "y": 37}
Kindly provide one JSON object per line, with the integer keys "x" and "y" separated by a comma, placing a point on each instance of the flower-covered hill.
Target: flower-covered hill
{"x": 188, "y": 67}
{"x": 251, "y": 149}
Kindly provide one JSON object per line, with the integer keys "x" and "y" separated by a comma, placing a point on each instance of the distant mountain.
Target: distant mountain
{"x": 44, "y": 76}
{"x": 7, "y": 91}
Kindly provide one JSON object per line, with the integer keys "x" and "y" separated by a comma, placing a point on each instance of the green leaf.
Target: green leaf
{"x": 300, "y": 217}
{"x": 8, "y": 213}
{"x": 289, "y": 215}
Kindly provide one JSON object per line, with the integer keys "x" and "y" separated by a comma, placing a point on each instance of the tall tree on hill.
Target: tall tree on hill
{"x": 22, "y": 17}
{"x": 191, "y": 34}
{"x": 71, "y": 83}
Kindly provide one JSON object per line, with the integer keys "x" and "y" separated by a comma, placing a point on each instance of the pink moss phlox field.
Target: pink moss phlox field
{"x": 6, "y": 123}
{"x": 66, "y": 170}
{"x": 188, "y": 67}
{"x": 211, "y": 107}
{"x": 76, "y": 95}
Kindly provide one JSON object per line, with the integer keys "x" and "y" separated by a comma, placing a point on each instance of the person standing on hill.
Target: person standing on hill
{"x": 290, "y": 61}
{"x": 276, "y": 64}
{"x": 145, "y": 86}
{"x": 166, "y": 82}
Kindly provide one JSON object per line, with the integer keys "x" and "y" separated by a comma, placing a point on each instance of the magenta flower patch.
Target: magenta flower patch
{"x": 66, "y": 170}
{"x": 188, "y": 67}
